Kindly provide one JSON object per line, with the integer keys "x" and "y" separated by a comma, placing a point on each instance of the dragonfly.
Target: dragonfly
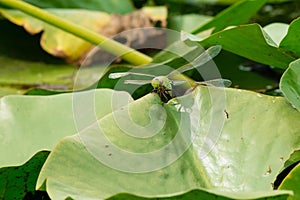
{"x": 163, "y": 85}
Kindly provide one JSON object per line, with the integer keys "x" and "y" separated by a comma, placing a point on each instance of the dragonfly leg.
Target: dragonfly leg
{"x": 164, "y": 95}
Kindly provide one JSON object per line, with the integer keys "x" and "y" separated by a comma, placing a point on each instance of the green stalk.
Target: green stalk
{"x": 109, "y": 45}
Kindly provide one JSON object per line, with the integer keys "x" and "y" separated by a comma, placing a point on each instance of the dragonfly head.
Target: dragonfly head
{"x": 161, "y": 82}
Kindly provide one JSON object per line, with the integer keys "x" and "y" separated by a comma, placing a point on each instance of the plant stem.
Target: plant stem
{"x": 109, "y": 45}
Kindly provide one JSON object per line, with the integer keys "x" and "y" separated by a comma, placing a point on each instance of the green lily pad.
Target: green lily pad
{"x": 224, "y": 2}
{"x": 277, "y": 31}
{"x": 29, "y": 124}
{"x": 236, "y": 148}
{"x": 295, "y": 158}
{"x": 239, "y": 13}
{"x": 291, "y": 182}
{"x": 8, "y": 90}
{"x": 250, "y": 41}
{"x": 16, "y": 182}
{"x": 231, "y": 67}
{"x": 291, "y": 41}
{"x": 187, "y": 22}
{"x": 290, "y": 84}
{"x": 207, "y": 194}
{"x": 21, "y": 72}
{"x": 18, "y": 76}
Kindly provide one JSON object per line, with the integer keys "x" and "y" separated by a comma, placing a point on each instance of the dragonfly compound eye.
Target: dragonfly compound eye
{"x": 156, "y": 83}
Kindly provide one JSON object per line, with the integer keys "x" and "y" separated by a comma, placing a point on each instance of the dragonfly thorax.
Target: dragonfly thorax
{"x": 161, "y": 82}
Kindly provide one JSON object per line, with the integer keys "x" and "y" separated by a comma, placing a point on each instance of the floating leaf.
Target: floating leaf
{"x": 236, "y": 148}
{"x": 250, "y": 41}
{"x": 291, "y": 182}
{"x": 290, "y": 84}
{"x": 29, "y": 124}
{"x": 239, "y": 13}
{"x": 187, "y": 22}
{"x": 22, "y": 75}
{"x": 277, "y": 31}
{"x": 16, "y": 182}
{"x": 291, "y": 40}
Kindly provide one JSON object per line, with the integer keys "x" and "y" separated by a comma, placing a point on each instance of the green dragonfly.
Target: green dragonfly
{"x": 163, "y": 85}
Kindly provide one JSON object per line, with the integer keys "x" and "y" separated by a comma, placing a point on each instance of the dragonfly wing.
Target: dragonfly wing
{"x": 216, "y": 82}
{"x": 188, "y": 36}
{"x": 206, "y": 56}
{"x": 137, "y": 82}
{"x": 178, "y": 82}
{"x": 122, "y": 74}
{"x": 118, "y": 75}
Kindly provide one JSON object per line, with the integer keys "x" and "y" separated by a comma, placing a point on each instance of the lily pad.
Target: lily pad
{"x": 29, "y": 124}
{"x": 16, "y": 182}
{"x": 290, "y": 84}
{"x": 291, "y": 41}
{"x": 18, "y": 76}
{"x": 226, "y": 142}
{"x": 291, "y": 182}
{"x": 206, "y": 194}
{"x": 20, "y": 72}
{"x": 187, "y": 22}
{"x": 237, "y": 14}
{"x": 250, "y": 41}
{"x": 277, "y": 31}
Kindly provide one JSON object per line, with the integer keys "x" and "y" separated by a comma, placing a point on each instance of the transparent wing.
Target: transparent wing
{"x": 122, "y": 74}
{"x": 137, "y": 82}
{"x": 216, "y": 82}
{"x": 206, "y": 56}
{"x": 178, "y": 82}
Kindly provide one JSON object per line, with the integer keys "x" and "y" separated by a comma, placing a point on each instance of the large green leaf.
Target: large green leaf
{"x": 226, "y": 2}
{"x": 292, "y": 40}
{"x": 187, "y": 22}
{"x": 238, "y": 14}
{"x": 28, "y": 74}
{"x": 207, "y": 194}
{"x": 20, "y": 76}
{"x": 290, "y": 84}
{"x": 277, "y": 31}
{"x": 236, "y": 149}
{"x": 16, "y": 182}
{"x": 235, "y": 68}
{"x": 29, "y": 124}
{"x": 291, "y": 182}
{"x": 115, "y": 6}
{"x": 250, "y": 41}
